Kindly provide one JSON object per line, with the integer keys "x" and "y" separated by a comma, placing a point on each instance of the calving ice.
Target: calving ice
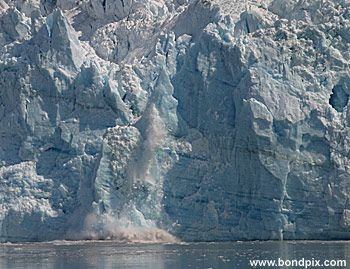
{"x": 156, "y": 120}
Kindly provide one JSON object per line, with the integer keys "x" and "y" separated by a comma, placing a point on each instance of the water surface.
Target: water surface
{"x": 109, "y": 254}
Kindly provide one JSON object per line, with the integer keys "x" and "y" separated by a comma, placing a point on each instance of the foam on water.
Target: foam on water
{"x": 132, "y": 235}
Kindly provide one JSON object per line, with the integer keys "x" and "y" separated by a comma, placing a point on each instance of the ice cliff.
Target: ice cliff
{"x": 156, "y": 119}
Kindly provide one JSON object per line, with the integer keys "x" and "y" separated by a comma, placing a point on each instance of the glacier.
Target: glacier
{"x": 194, "y": 120}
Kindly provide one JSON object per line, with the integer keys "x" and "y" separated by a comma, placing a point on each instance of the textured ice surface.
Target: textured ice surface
{"x": 204, "y": 120}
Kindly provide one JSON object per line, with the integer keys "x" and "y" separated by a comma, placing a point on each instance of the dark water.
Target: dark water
{"x": 108, "y": 254}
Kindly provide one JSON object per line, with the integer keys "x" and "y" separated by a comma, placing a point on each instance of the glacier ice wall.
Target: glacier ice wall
{"x": 195, "y": 119}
